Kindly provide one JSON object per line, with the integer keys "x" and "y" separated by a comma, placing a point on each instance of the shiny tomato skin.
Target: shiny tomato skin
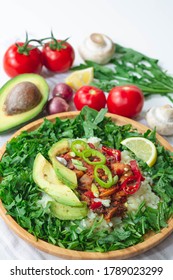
{"x": 125, "y": 101}
{"x": 58, "y": 61}
{"x": 89, "y": 96}
{"x": 15, "y": 63}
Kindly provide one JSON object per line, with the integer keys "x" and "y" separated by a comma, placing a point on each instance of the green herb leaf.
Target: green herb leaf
{"x": 129, "y": 66}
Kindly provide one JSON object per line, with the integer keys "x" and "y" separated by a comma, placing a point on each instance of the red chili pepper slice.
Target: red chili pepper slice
{"x": 91, "y": 145}
{"x": 112, "y": 152}
{"x": 89, "y": 194}
{"x": 131, "y": 184}
{"x": 135, "y": 169}
{"x": 95, "y": 204}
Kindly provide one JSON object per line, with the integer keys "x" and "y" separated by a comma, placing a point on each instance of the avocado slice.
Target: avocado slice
{"x": 45, "y": 177}
{"x": 14, "y": 92}
{"x": 64, "y": 174}
{"x": 65, "y": 212}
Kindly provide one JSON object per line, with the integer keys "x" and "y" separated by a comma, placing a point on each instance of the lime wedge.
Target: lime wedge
{"x": 142, "y": 148}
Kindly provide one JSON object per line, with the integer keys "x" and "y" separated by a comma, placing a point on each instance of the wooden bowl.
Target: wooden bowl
{"x": 151, "y": 239}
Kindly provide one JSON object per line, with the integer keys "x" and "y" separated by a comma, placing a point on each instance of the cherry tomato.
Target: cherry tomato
{"x": 90, "y": 96}
{"x": 20, "y": 59}
{"x": 126, "y": 101}
{"x": 58, "y": 56}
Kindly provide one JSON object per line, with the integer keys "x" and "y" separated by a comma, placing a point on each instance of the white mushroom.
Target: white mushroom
{"x": 98, "y": 48}
{"x": 161, "y": 118}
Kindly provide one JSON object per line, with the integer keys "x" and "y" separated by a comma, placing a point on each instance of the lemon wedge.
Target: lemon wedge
{"x": 80, "y": 78}
{"x": 142, "y": 148}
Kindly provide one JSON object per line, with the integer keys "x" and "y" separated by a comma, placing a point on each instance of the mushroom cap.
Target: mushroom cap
{"x": 161, "y": 118}
{"x": 98, "y": 48}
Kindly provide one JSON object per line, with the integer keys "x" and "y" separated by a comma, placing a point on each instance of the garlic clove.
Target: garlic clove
{"x": 161, "y": 118}
{"x": 98, "y": 48}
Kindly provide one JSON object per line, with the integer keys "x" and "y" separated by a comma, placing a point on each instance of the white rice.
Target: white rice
{"x": 144, "y": 193}
{"x": 91, "y": 217}
{"x": 126, "y": 157}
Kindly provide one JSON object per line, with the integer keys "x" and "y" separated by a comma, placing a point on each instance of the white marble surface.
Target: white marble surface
{"x": 145, "y": 25}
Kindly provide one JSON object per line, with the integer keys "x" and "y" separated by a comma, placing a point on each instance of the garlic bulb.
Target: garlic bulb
{"x": 98, "y": 48}
{"x": 161, "y": 118}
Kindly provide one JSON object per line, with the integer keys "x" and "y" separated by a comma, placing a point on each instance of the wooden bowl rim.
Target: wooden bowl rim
{"x": 150, "y": 242}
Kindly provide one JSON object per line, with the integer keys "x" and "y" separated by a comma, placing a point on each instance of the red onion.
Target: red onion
{"x": 57, "y": 105}
{"x": 63, "y": 90}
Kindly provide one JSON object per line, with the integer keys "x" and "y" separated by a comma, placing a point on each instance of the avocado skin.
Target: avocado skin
{"x": 14, "y": 121}
{"x": 64, "y": 174}
{"x": 45, "y": 177}
{"x": 65, "y": 212}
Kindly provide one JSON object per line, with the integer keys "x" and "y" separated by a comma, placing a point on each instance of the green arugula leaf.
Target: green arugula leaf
{"x": 129, "y": 66}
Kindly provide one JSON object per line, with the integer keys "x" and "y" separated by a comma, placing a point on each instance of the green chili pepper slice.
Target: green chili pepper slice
{"x": 105, "y": 184}
{"x": 78, "y": 146}
{"x": 86, "y": 154}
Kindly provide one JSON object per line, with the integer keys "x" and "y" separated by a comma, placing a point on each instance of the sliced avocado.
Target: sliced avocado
{"x": 45, "y": 177}
{"x": 65, "y": 212}
{"x": 64, "y": 174}
{"x": 29, "y": 93}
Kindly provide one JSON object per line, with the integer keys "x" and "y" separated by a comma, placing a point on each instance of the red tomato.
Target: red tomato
{"x": 90, "y": 96}
{"x": 58, "y": 57}
{"x": 16, "y": 62}
{"x": 126, "y": 101}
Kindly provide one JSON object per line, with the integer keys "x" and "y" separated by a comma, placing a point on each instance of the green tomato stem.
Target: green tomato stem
{"x": 24, "y": 49}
